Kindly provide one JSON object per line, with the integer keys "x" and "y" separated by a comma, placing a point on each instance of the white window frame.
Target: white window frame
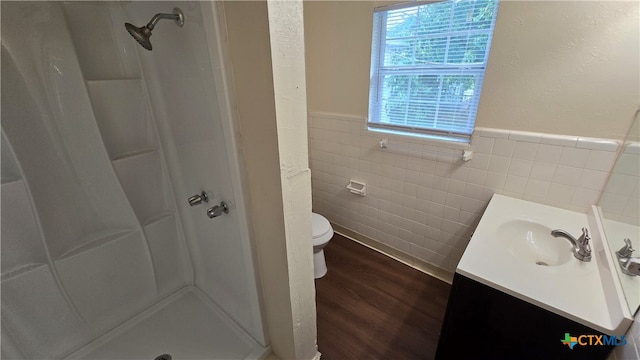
{"x": 378, "y": 71}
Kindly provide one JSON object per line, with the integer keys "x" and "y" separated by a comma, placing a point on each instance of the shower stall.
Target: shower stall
{"x": 103, "y": 143}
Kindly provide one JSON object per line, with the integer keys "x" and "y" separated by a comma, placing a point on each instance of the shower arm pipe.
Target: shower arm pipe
{"x": 160, "y": 16}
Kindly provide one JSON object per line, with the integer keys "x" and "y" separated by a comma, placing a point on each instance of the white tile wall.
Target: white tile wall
{"x": 422, "y": 199}
{"x": 621, "y": 197}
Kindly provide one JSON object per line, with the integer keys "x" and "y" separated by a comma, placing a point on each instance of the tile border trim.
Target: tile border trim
{"x": 580, "y": 142}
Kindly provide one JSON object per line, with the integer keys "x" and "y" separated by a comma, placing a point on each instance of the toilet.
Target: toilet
{"x": 322, "y": 233}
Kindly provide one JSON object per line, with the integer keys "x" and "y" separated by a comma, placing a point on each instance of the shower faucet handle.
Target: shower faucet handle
{"x": 217, "y": 210}
{"x": 197, "y": 199}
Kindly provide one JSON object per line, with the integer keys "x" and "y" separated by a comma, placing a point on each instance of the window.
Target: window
{"x": 427, "y": 66}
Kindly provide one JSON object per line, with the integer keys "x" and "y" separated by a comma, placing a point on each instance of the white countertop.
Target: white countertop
{"x": 573, "y": 289}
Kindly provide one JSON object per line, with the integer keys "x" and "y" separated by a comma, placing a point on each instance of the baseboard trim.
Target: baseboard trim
{"x": 395, "y": 254}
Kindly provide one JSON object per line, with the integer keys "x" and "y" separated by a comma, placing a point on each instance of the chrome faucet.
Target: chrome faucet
{"x": 217, "y": 210}
{"x": 198, "y": 199}
{"x": 628, "y": 264}
{"x": 581, "y": 247}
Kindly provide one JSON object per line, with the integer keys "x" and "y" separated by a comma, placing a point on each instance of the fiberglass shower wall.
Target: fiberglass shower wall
{"x": 102, "y": 142}
{"x": 200, "y": 152}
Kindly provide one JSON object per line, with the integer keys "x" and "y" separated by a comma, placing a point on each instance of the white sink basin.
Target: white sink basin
{"x": 533, "y": 243}
{"x": 512, "y": 244}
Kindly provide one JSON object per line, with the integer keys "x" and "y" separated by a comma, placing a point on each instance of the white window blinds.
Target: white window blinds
{"x": 427, "y": 65}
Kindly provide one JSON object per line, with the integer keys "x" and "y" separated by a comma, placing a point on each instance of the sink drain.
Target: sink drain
{"x": 163, "y": 357}
{"x": 541, "y": 263}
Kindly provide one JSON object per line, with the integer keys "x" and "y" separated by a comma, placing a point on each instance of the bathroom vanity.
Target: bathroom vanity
{"x": 484, "y": 323}
{"x": 518, "y": 291}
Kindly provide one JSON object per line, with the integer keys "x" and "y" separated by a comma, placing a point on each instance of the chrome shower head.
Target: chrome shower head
{"x": 143, "y": 34}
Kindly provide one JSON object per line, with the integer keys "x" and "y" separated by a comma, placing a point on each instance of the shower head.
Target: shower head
{"x": 143, "y": 34}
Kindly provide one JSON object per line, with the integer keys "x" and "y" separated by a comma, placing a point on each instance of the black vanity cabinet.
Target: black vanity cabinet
{"x": 485, "y": 323}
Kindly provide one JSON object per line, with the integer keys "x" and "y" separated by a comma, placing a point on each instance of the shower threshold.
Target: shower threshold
{"x": 186, "y": 325}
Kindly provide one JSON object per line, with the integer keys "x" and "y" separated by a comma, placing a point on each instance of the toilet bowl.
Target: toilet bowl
{"x": 322, "y": 233}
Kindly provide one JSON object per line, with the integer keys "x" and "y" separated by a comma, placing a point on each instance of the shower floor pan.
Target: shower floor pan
{"x": 185, "y": 325}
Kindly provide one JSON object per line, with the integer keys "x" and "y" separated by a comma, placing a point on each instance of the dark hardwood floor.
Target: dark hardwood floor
{"x": 373, "y": 307}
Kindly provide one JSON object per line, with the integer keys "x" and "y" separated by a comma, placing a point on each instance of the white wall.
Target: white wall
{"x": 247, "y": 28}
{"x": 286, "y": 28}
{"x": 561, "y": 67}
{"x": 338, "y": 51}
{"x": 268, "y": 68}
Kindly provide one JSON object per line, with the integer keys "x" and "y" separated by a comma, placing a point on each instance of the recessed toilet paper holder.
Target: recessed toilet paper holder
{"x": 358, "y": 188}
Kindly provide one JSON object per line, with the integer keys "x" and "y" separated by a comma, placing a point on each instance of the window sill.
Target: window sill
{"x": 428, "y": 139}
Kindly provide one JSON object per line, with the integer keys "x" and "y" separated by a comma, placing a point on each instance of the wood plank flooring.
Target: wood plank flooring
{"x": 373, "y": 307}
